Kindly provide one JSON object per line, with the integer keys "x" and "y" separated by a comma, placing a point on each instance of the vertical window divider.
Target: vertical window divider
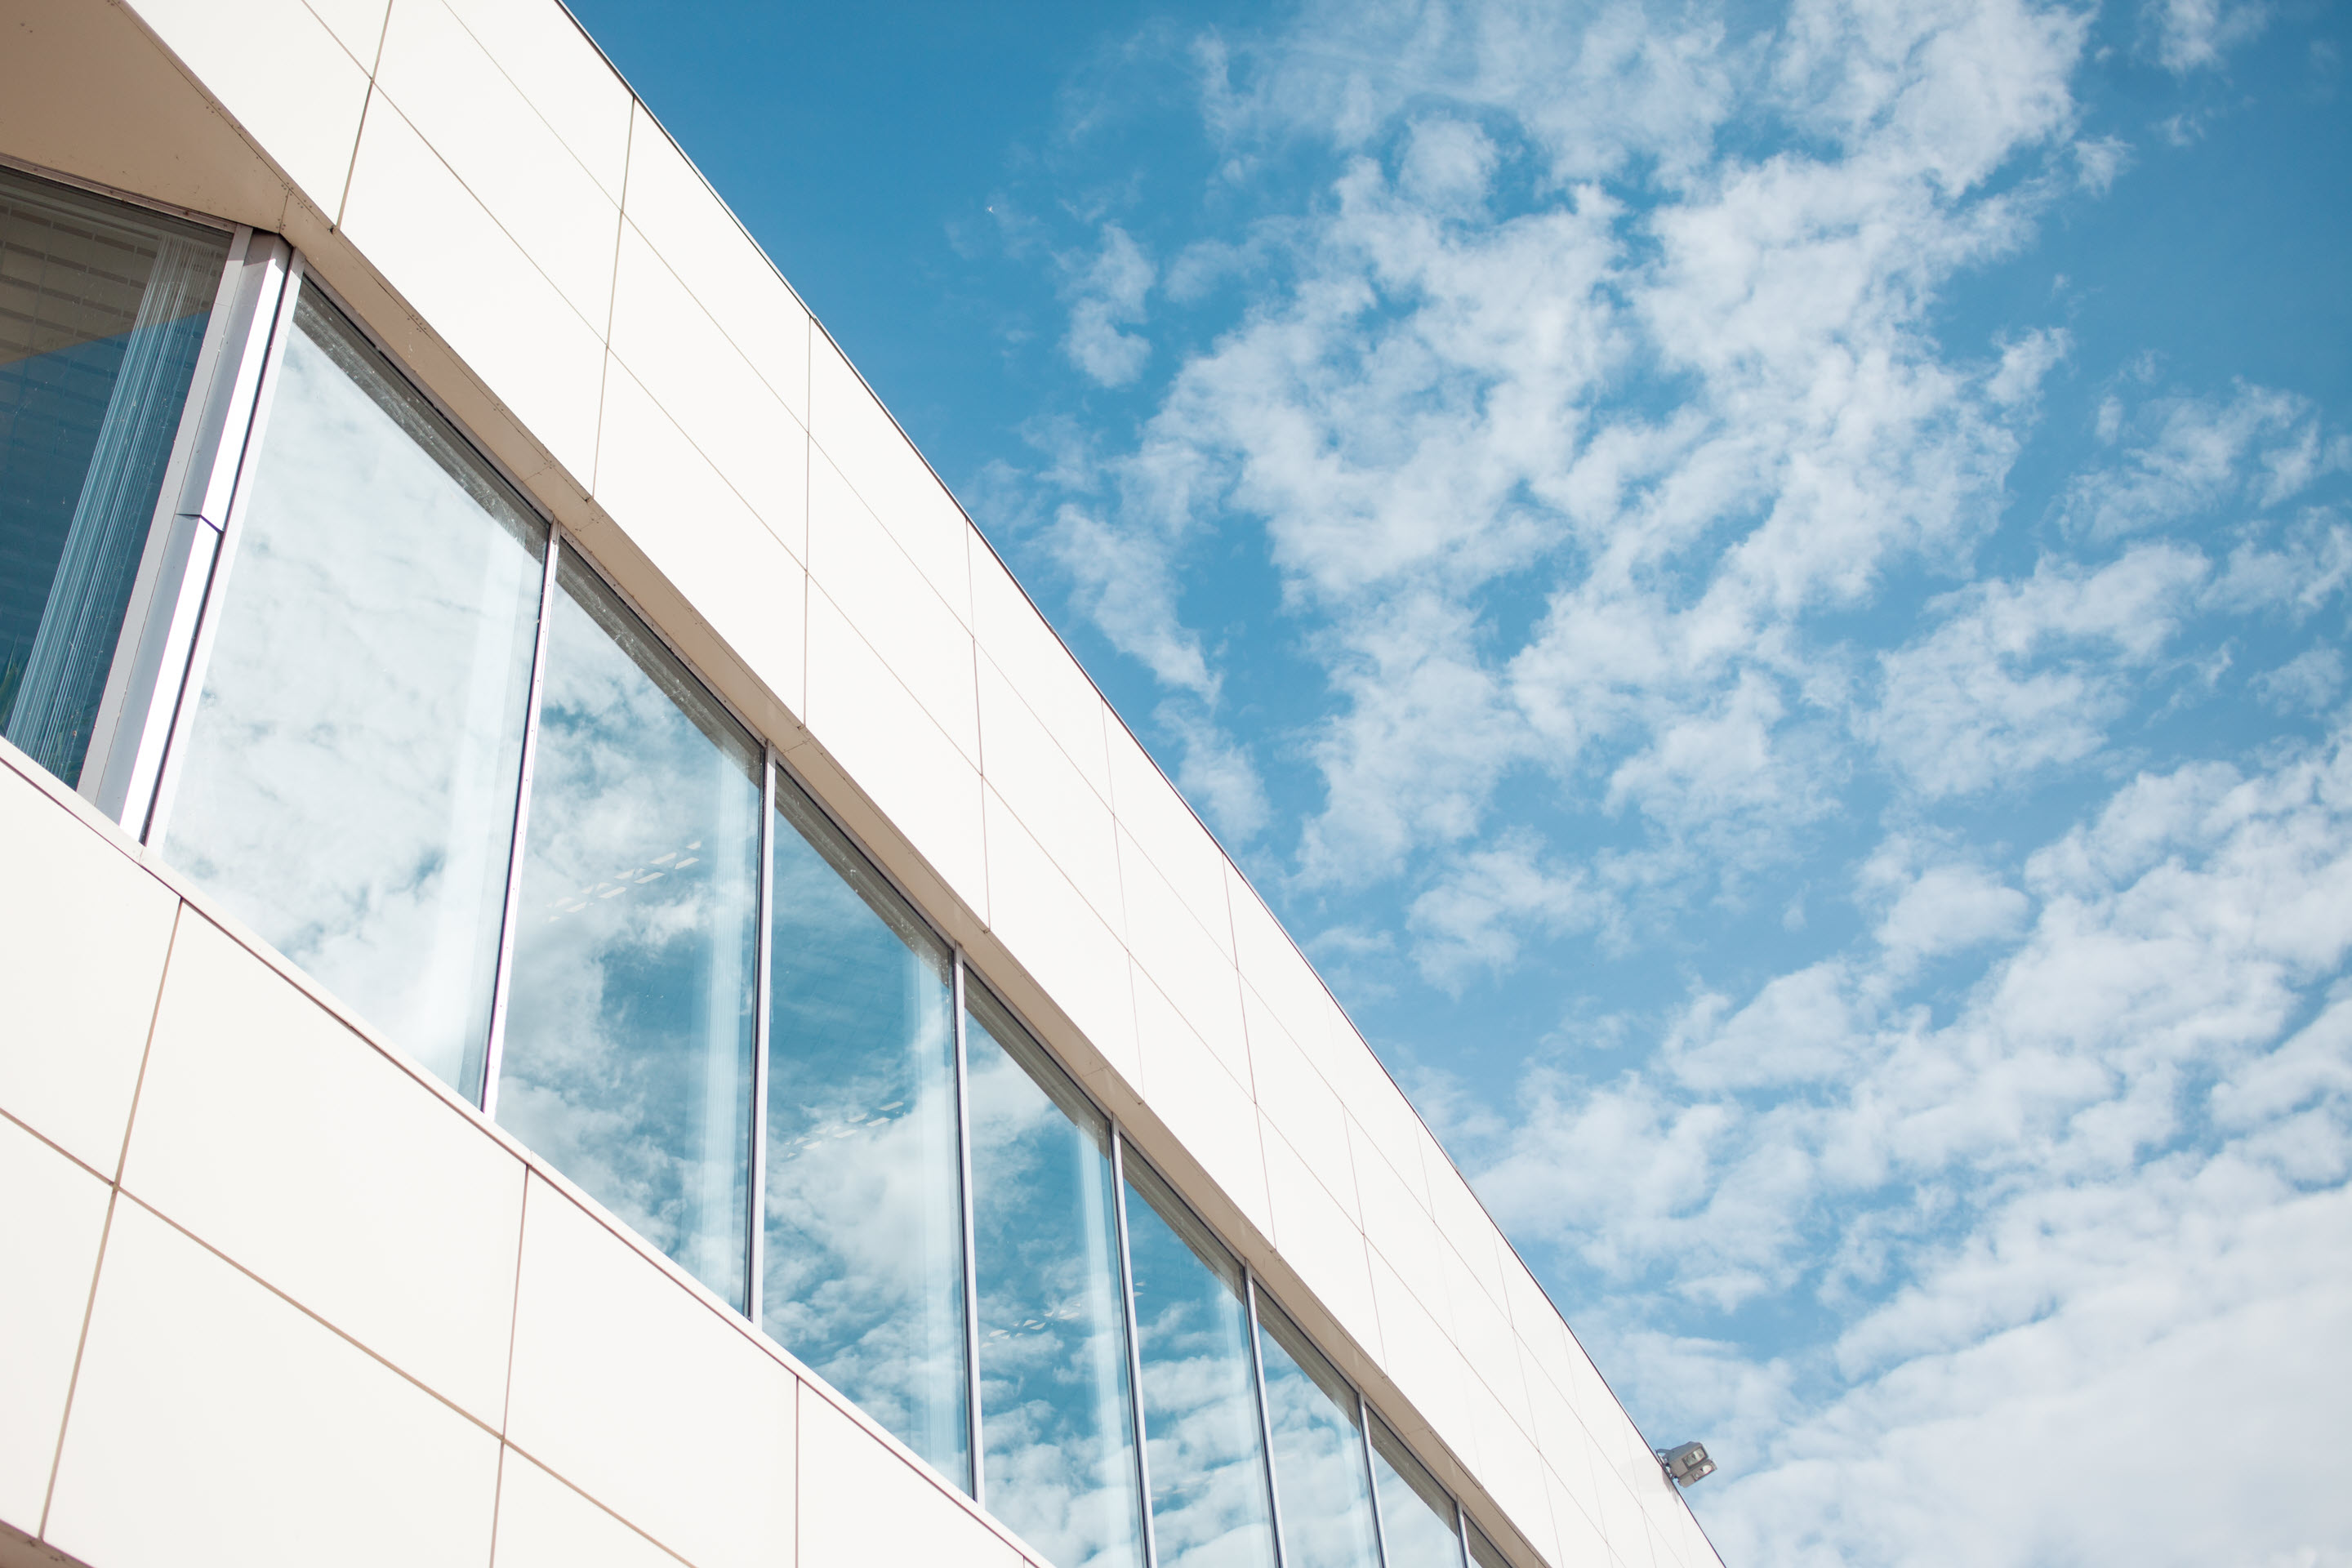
{"x": 1134, "y": 1344}
{"x": 971, "y": 1259}
{"x": 221, "y": 494}
{"x": 1461, "y": 1535}
{"x": 494, "y": 1049}
{"x": 756, "y": 1206}
{"x": 1265, "y": 1416}
{"x": 1371, "y": 1478}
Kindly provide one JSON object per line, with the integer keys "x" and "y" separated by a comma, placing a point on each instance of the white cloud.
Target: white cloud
{"x": 2024, "y": 675}
{"x": 2191, "y": 457}
{"x": 1108, "y": 292}
{"x": 2304, "y": 684}
{"x": 2192, "y": 35}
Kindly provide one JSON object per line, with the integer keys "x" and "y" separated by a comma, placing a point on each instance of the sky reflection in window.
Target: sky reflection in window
{"x": 629, "y": 1030}
{"x": 1209, "y": 1503}
{"x": 1318, "y": 1452}
{"x": 863, "y": 1244}
{"x": 1056, "y": 1431}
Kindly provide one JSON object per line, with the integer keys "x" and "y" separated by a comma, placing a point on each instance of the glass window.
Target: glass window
{"x": 1318, "y": 1452}
{"x": 1416, "y": 1513}
{"x": 102, "y": 311}
{"x": 627, "y": 1059}
{"x": 1483, "y": 1553}
{"x": 863, "y": 1238}
{"x": 1209, "y": 1503}
{"x": 348, "y": 785}
{"x": 1056, "y": 1431}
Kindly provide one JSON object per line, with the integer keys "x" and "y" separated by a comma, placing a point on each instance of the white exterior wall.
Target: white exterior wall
{"x": 479, "y": 184}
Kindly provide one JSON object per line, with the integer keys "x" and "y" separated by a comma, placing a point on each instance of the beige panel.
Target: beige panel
{"x": 1294, "y": 1097}
{"x": 542, "y": 1523}
{"x": 695, "y": 371}
{"x": 745, "y": 585}
{"x": 1186, "y": 961}
{"x": 1466, "y": 1224}
{"x": 1272, "y": 963}
{"x": 358, "y": 25}
{"x": 1510, "y": 1469}
{"x": 1320, "y": 1240}
{"x": 1543, "y": 1337}
{"x": 83, "y": 934}
{"x": 214, "y": 1424}
{"x": 288, "y": 80}
{"x": 1580, "y": 1541}
{"x": 479, "y": 292}
{"x": 1049, "y": 794}
{"x": 458, "y": 100}
{"x": 1050, "y": 931}
{"x": 1013, "y": 635}
{"x": 1168, "y": 832}
{"x": 565, "y": 78}
{"x": 1373, "y": 1098}
{"x": 864, "y": 1505}
{"x": 1485, "y": 1339}
{"x": 637, "y": 1391}
{"x": 1401, "y": 1231}
{"x": 1207, "y": 1108}
{"x": 280, "y": 1138}
{"x": 884, "y": 467}
{"x": 49, "y": 1231}
{"x": 1421, "y": 1358}
{"x": 860, "y": 566}
{"x": 898, "y": 756}
{"x": 673, "y": 207}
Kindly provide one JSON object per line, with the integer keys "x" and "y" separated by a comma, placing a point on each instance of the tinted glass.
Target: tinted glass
{"x": 1325, "y": 1492}
{"x": 102, "y": 312}
{"x": 864, "y": 1233}
{"x": 629, "y": 1031}
{"x": 1416, "y": 1513}
{"x": 348, "y": 787}
{"x": 1056, "y": 1432}
{"x": 1209, "y": 1503}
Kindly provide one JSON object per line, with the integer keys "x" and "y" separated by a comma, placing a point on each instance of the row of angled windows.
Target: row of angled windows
{"x": 267, "y": 606}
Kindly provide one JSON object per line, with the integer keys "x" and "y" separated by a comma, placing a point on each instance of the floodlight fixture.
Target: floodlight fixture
{"x": 1687, "y": 1465}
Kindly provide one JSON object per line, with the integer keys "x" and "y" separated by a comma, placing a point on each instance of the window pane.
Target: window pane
{"x": 1318, "y": 1452}
{"x": 629, "y": 1031}
{"x": 1209, "y": 1504}
{"x": 348, "y": 787}
{"x": 1416, "y": 1513}
{"x": 864, "y": 1229}
{"x": 1055, "y": 1426}
{"x": 102, "y": 308}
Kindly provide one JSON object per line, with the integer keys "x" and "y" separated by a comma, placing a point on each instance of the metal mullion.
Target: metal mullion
{"x": 1371, "y": 1478}
{"x": 1134, "y": 1342}
{"x": 755, "y": 1252}
{"x": 222, "y": 494}
{"x": 1265, "y": 1416}
{"x": 971, "y": 1262}
{"x": 1461, "y": 1535}
{"x": 494, "y": 1050}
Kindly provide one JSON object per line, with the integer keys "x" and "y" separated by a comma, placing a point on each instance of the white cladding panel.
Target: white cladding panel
{"x": 507, "y": 187}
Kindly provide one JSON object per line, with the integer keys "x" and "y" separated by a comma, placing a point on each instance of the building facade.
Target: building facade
{"x": 586, "y": 981}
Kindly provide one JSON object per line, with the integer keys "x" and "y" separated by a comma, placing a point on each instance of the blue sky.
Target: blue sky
{"x": 1765, "y": 588}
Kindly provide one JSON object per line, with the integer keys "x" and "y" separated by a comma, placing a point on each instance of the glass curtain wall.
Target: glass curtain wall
{"x": 1057, "y": 1429}
{"x": 1211, "y": 1505}
{"x": 629, "y": 1034}
{"x": 1416, "y": 1513}
{"x": 1319, "y": 1455}
{"x": 863, "y": 1234}
{"x": 103, "y": 307}
{"x": 348, "y": 785}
